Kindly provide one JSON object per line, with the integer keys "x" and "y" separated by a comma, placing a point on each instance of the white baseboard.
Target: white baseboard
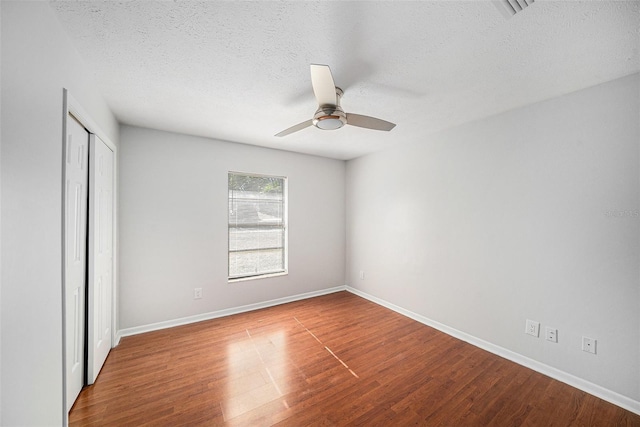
{"x": 221, "y": 313}
{"x": 579, "y": 383}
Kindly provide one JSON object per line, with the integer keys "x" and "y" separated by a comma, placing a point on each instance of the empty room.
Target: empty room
{"x": 376, "y": 213}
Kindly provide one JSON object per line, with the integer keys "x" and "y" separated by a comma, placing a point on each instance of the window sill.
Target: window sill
{"x": 261, "y": 276}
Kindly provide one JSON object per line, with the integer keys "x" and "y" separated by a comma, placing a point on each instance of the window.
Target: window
{"x": 257, "y": 225}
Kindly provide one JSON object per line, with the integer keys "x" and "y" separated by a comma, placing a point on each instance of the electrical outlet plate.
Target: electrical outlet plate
{"x": 589, "y": 345}
{"x": 551, "y": 334}
{"x": 197, "y": 293}
{"x": 532, "y": 328}
{"x": 361, "y": 275}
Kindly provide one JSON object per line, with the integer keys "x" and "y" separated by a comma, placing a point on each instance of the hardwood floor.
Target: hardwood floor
{"x": 328, "y": 361}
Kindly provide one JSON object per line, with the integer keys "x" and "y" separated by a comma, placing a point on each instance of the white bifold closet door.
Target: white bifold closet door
{"x": 76, "y": 188}
{"x": 88, "y": 255}
{"x": 100, "y": 277}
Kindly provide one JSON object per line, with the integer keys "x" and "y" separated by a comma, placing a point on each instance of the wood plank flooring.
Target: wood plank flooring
{"x": 334, "y": 360}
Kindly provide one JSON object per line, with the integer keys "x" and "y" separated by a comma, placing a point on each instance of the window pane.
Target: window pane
{"x": 249, "y": 263}
{"x": 253, "y": 238}
{"x": 256, "y": 225}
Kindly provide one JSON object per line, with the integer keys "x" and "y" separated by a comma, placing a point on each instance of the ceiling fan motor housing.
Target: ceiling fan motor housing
{"x": 330, "y": 117}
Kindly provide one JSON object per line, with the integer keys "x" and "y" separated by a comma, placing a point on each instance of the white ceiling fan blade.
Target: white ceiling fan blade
{"x": 295, "y": 128}
{"x": 323, "y": 86}
{"x": 369, "y": 122}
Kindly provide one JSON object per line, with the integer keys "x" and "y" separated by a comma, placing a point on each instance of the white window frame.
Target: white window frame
{"x": 285, "y": 219}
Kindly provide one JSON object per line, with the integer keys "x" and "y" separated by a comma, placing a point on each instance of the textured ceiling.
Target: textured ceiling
{"x": 239, "y": 71}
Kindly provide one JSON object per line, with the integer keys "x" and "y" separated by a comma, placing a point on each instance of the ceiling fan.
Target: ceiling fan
{"x": 330, "y": 115}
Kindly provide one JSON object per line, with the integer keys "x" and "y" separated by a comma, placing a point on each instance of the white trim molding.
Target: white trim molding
{"x": 579, "y": 383}
{"x": 223, "y": 313}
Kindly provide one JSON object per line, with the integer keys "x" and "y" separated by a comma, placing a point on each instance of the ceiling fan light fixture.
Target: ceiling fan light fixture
{"x": 329, "y": 122}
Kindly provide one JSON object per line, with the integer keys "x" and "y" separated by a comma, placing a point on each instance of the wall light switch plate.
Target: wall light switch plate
{"x": 551, "y": 334}
{"x": 532, "y": 328}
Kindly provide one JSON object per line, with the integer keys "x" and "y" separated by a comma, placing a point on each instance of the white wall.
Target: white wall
{"x": 173, "y": 225}
{"x": 534, "y": 213}
{"x": 38, "y": 61}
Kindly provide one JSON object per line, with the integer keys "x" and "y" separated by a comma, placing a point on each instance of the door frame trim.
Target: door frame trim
{"x": 71, "y": 106}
